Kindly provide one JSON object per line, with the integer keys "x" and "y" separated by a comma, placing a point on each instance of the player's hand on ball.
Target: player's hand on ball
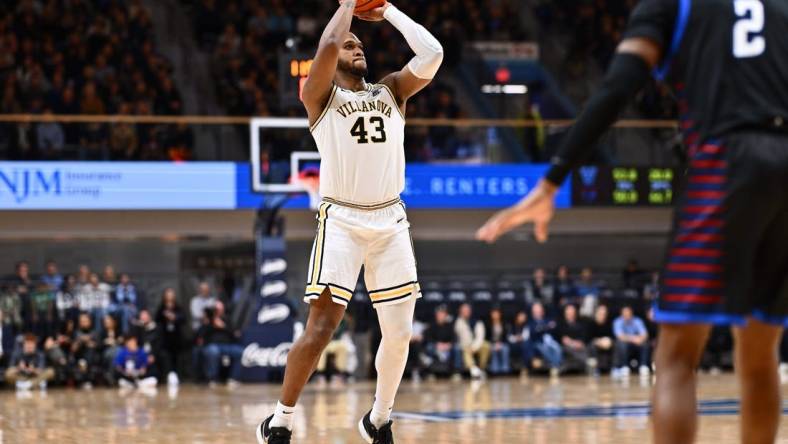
{"x": 537, "y": 207}
{"x": 374, "y": 15}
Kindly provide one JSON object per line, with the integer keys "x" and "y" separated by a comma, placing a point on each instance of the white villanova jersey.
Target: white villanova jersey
{"x": 360, "y": 136}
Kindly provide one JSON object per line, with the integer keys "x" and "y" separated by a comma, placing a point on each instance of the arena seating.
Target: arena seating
{"x": 25, "y": 298}
{"x": 84, "y": 57}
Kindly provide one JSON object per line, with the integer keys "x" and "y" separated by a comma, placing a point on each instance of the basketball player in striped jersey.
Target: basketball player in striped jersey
{"x": 728, "y": 260}
{"x": 359, "y": 131}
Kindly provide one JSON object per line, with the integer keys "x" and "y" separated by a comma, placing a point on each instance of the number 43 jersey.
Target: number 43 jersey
{"x": 360, "y": 136}
{"x": 726, "y": 59}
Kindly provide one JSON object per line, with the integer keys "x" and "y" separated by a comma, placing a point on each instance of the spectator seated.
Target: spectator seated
{"x": 440, "y": 344}
{"x": 601, "y": 341}
{"x": 471, "y": 336}
{"x": 631, "y": 341}
{"x": 131, "y": 366}
{"x": 28, "y": 367}
{"x": 541, "y": 350}
{"x": 497, "y": 335}
{"x": 219, "y": 341}
{"x": 572, "y": 335}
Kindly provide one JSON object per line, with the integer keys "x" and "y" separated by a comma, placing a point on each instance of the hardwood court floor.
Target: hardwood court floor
{"x": 574, "y": 410}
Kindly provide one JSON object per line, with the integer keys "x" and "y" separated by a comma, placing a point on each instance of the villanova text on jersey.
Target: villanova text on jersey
{"x": 360, "y": 106}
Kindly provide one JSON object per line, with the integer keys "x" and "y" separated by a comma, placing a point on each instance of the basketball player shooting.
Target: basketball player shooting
{"x": 359, "y": 130}
{"x": 728, "y": 260}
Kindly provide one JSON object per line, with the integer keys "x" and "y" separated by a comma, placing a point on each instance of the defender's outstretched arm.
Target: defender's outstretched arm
{"x": 317, "y": 87}
{"x": 627, "y": 74}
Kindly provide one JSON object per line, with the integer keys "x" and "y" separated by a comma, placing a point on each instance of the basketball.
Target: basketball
{"x": 368, "y": 5}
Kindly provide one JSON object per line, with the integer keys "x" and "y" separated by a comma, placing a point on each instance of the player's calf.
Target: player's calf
{"x": 674, "y": 397}
{"x": 324, "y": 317}
{"x": 757, "y": 359}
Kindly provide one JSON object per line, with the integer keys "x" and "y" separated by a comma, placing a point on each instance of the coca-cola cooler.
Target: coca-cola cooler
{"x": 270, "y": 326}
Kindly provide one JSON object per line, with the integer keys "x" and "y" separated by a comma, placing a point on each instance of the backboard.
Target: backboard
{"x": 281, "y": 172}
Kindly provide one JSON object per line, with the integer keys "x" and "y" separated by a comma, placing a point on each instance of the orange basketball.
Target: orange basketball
{"x": 368, "y": 5}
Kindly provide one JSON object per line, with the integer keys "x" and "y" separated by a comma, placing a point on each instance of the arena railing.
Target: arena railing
{"x": 637, "y": 142}
{"x": 244, "y": 120}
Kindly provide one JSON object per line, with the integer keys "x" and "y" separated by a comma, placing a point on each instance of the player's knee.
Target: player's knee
{"x": 676, "y": 355}
{"x": 758, "y": 371}
{"x": 758, "y": 361}
{"x": 398, "y": 337}
{"x": 680, "y": 347}
{"x": 314, "y": 340}
{"x": 757, "y": 347}
{"x": 325, "y": 326}
{"x": 320, "y": 332}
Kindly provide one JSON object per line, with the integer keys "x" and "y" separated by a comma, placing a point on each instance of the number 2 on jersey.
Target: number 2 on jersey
{"x": 746, "y": 39}
{"x": 359, "y": 130}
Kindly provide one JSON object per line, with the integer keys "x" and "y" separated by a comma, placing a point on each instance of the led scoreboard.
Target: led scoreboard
{"x": 624, "y": 186}
{"x": 293, "y": 70}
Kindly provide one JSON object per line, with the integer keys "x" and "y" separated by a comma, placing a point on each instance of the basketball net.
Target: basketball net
{"x": 311, "y": 184}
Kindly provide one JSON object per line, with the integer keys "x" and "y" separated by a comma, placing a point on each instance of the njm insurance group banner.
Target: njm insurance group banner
{"x": 117, "y": 186}
{"x": 227, "y": 186}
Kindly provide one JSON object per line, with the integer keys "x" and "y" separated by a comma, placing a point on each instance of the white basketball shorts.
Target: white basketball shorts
{"x": 377, "y": 237}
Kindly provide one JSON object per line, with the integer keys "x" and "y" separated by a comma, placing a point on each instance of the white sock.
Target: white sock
{"x": 283, "y": 416}
{"x": 381, "y": 412}
{"x": 396, "y": 324}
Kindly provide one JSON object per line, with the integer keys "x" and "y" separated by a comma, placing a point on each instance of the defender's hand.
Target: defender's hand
{"x": 374, "y": 15}
{"x": 537, "y": 207}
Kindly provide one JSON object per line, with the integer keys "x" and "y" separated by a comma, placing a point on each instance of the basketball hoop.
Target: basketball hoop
{"x": 310, "y": 181}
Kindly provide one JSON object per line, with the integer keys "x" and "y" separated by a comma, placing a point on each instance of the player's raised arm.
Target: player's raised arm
{"x": 422, "y": 68}
{"x": 628, "y": 73}
{"x": 317, "y": 87}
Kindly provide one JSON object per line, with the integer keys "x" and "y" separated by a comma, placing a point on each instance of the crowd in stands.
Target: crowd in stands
{"x": 561, "y": 325}
{"x": 86, "y": 57}
{"x": 595, "y": 27}
{"x": 85, "y": 329}
{"x": 542, "y": 324}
